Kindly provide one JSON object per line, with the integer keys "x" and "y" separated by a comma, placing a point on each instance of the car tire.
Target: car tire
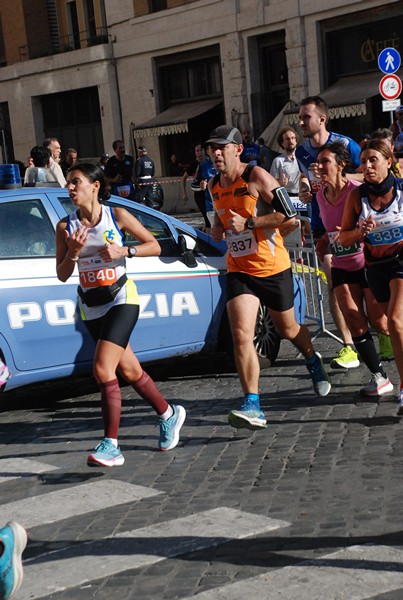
{"x": 267, "y": 340}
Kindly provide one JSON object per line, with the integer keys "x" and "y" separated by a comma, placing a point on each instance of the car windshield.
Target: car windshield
{"x": 25, "y": 230}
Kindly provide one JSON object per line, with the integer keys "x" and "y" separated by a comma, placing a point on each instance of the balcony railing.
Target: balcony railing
{"x": 67, "y": 43}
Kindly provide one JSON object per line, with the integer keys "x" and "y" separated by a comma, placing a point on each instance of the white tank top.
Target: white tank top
{"x": 95, "y": 272}
{"x": 386, "y": 238}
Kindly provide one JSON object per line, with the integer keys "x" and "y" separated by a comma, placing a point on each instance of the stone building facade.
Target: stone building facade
{"x": 164, "y": 72}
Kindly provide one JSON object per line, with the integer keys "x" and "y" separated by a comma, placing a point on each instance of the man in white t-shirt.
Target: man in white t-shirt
{"x": 285, "y": 167}
{"x": 40, "y": 174}
{"x": 55, "y": 150}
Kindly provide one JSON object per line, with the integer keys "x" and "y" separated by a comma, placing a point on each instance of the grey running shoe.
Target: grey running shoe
{"x": 320, "y": 379}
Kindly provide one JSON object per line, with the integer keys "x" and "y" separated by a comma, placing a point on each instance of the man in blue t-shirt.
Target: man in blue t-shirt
{"x": 119, "y": 170}
{"x": 250, "y": 150}
{"x": 144, "y": 170}
{"x": 313, "y": 118}
{"x": 205, "y": 171}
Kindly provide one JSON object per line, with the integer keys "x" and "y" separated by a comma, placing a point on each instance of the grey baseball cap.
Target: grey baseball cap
{"x": 225, "y": 134}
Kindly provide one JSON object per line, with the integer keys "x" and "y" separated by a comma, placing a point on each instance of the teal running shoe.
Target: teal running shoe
{"x": 106, "y": 455}
{"x": 13, "y": 539}
{"x": 247, "y": 417}
{"x": 169, "y": 429}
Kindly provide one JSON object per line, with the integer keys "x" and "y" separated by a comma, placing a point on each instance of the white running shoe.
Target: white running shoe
{"x": 378, "y": 385}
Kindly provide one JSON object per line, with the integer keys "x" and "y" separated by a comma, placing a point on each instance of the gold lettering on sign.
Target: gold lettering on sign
{"x": 368, "y": 51}
{"x": 371, "y": 49}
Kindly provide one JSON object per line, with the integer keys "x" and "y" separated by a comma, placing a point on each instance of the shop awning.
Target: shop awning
{"x": 175, "y": 119}
{"x": 347, "y": 97}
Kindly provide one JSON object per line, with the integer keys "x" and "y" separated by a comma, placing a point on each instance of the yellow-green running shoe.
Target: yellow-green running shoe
{"x": 347, "y": 358}
{"x": 385, "y": 347}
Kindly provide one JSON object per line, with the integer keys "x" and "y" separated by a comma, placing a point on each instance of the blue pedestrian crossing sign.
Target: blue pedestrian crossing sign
{"x": 389, "y": 61}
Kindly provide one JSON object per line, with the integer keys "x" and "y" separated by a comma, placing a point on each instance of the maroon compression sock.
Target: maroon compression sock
{"x": 147, "y": 389}
{"x": 111, "y": 404}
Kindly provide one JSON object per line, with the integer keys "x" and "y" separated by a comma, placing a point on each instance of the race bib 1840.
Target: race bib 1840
{"x": 98, "y": 277}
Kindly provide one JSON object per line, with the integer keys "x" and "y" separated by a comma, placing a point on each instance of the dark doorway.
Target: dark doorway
{"x": 74, "y": 119}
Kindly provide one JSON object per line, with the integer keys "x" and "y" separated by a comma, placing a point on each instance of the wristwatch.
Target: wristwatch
{"x": 131, "y": 251}
{"x": 250, "y": 223}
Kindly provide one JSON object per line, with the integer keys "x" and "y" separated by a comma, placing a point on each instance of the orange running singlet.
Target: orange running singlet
{"x": 258, "y": 252}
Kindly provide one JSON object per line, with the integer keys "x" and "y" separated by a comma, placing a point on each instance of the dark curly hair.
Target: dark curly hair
{"x": 341, "y": 154}
{"x": 92, "y": 173}
{"x": 40, "y": 156}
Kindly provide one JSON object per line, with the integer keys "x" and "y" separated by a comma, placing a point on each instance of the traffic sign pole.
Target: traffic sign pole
{"x": 390, "y": 85}
{"x": 390, "y": 106}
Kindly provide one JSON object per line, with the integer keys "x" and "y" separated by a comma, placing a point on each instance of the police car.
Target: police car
{"x": 182, "y": 292}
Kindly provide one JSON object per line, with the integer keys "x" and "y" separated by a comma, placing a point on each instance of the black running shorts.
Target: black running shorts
{"x": 116, "y": 325}
{"x": 341, "y": 276}
{"x": 379, "y": 277}
{"x": 275, "y": 292}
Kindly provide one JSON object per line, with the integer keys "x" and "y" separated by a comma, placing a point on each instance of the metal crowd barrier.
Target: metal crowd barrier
{"x": 304, "y": 263}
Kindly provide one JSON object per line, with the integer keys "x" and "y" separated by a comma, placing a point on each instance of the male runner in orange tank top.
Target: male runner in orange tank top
{"x": 258, "y": 266}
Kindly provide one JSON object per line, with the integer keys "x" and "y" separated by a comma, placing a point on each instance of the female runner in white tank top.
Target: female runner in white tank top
{"x": 92, "y": 238}
{"x": 374, "y": 214}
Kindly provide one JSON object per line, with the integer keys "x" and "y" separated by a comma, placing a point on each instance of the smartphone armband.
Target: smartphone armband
{"x": 282, "y": 202}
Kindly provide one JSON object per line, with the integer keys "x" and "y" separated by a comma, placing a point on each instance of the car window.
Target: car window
{"x": 25, "y": 230}
{"x": 157, "y": 227}
{"x": 67, "y": 204}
